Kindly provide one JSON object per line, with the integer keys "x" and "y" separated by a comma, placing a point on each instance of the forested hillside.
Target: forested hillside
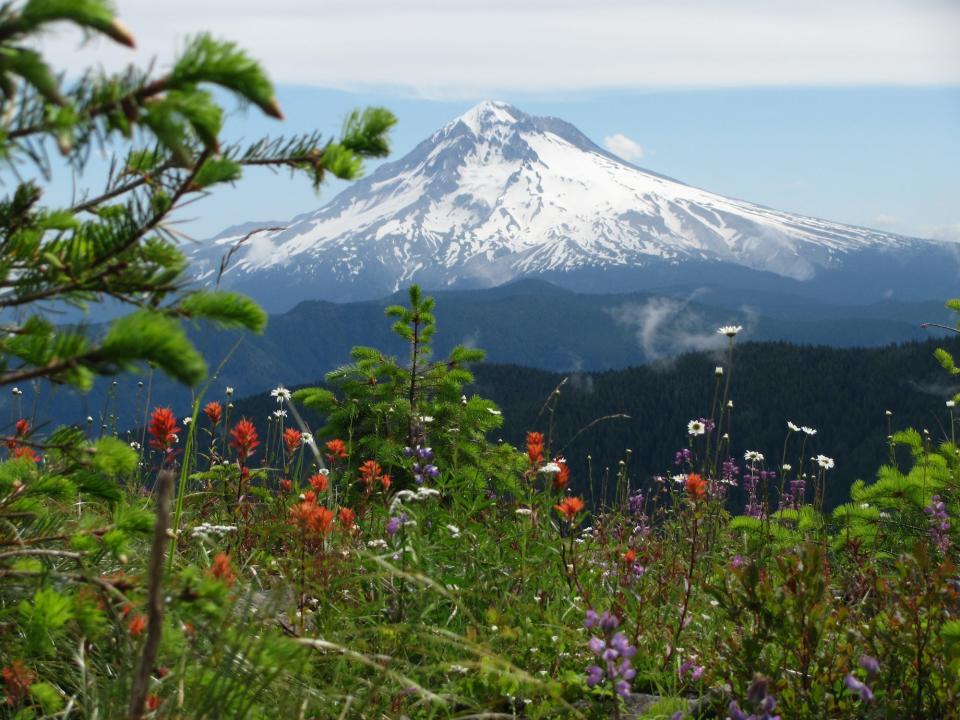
{"x": 843, "y": 393}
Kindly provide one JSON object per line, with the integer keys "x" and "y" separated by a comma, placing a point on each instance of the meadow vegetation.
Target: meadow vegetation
{"x": 394, "y": 560}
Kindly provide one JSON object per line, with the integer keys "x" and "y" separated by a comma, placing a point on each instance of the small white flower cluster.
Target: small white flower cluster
{"x": 378, "y": 543}
{"x": 523, "y": 511}
{"x": 421, "y": 493}
{"x": 551, "y": 468}
{"x": 454, "y": 530}
{"x": 17, "y": 391}
{"x": 206, "y": 529}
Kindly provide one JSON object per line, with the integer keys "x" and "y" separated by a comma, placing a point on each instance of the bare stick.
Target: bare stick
{"x": 158, "y": 549}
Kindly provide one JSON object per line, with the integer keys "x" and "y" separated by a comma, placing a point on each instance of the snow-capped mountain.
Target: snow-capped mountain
{"x": 497, "y": 194}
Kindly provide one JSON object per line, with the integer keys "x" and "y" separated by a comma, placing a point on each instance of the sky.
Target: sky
{"x": 844, "y": 110}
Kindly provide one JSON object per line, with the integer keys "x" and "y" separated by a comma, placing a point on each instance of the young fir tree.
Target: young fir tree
{"x": 116, "y": 242}
{"x": 386, "y": 409}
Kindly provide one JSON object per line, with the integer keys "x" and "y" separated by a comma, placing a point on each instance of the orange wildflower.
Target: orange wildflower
{"x": 569, "y": 507}
{"x": 23, "y": 427}
{"x": 18, "y": 680}
{"x": 163, "y": 429}
{"x": 629, "y": 556}
{"x": 370, "y": 472}
{"x": 319, "y": 482}
{"x": 336, "y": 450}
{"x": 222, "y": 569}
{"x": 244, "y": 439}
{"x": 535, "y": 447}
{"x": 293, "y": 439}
{"x": 214, "y": 411}
{"x": 22, "y": 451}
{"x": 138, "y": 623}
{"x": 385, "y": 481}
{"x": 562, "y": 478}
{"x": 696, "y": 487}
{"x": 347, "y": 518}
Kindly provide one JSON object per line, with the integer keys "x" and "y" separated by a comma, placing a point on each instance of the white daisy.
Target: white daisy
{"x": 825, "y": 462}
{"x": 681, "y": 478}
{"x": 279, "y": 413}
{"x": 308, "y": 439}
{"x": 695, "y": 427}
{"x": 718, "y": 370}
{"x": 808, "y": 430}
{"x": 187, "y": 420}
{"x": 229, "y": 391}
{"x": 753, "y": 456}
{"x": 950, "y": 403}
{"x": 792, "y": 427}
{"x": 729, "y": 330}
{"x": 280, "y": 393}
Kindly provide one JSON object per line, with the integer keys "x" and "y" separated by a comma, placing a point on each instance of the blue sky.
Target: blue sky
{"x": 848, "y": 111}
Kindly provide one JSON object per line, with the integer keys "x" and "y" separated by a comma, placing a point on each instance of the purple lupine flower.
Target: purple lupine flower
{"x": 854, "y": 685}
{"x": 635, "y": 503}
{"x": 708, "y": 424}
{"x": 682, "y": 457}
{"x": 737, "y": 561}
{"x": 871, "y": 665}
{"x": 395, "y": 523}
{"x": 734, "y": 712}
{"x": 614, "y": 649}
{"x": 594, "y": 675}
{"x": 608, "y": 621}
{"x": 596, "y": 645}
{"x": 729, "y": 471}
{"x": 939, "y": 523}
{"x": 590, "y": 619}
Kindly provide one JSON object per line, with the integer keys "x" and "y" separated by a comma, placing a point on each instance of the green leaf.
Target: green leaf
{"x": 47, "y": 696}
{"x": 91, "y": 14}
{"x": 30, "y": 66}
{"x": 226, "y": 309}
{"x": 206, "y": 60}
{"x": 149, "y": 337}
{"x": 217, "y": 170}
{"x": 114, "y": 458}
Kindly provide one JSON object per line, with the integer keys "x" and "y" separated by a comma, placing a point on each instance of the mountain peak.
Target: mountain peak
{"x": 483, "y": 116}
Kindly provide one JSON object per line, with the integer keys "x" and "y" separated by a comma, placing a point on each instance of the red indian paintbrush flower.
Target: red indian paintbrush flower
{"x": 336, "y": 450}
{"x": 562, "y": 478}
{"x": 292, "y": 438}
{"x": 696, "y": 486}
{"x": 347, "y": 518}
{"x": 310, "y": 517}
{"x": 370, "y": 472}
{"x": 244, "y": 439}
{"x": 23, "y": 427}
{"x": 222, "y": 569}
{"x": 214, "y": 411}
{"x": 17, "y": 679}
{"x": 163, "y": 429}
{"x": 569, "y": 507}
{"x": 319, "y": 482}
{"x": 138, "y": 623}
{"x": 22, "y": 451}
{"x": 535, "y": 447}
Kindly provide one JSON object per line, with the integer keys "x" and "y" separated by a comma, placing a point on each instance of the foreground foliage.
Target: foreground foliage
{"x": 397, "y": 562}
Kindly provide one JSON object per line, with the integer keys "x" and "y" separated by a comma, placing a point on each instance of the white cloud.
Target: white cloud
{"x": 619, "y": 144}
{"x": 469, "y": 48}
{"x": 886, "y": 221}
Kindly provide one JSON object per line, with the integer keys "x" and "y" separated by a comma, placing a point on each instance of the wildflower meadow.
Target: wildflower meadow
{"x": 395, "y": 559}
